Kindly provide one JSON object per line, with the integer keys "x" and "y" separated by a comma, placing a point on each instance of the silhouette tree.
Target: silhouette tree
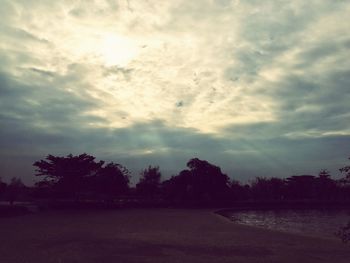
{"x": 110, "y": 181}
{"x": 202, "y": 183}
{"x": 346, "y": 171}
{"x": 43, "y": 189}
{"x": 301, "y": 187}
{"x": 209, "y": 183}
{"x": 15, "y": 190}
{"x": 69, "y": 175}
{"x": 239, "y": 192}
{"x": 268, "y": 188}
{"x": 344, "y": 232}
{"x": 326, "y": 188}
{"x": 149, "y": 184}
{"x": 178, "y": 188}
{"x": 3, "y": 187}
{"x": 324, "y": 174}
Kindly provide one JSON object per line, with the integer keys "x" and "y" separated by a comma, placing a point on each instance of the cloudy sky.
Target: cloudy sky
{"x": 260, "y": 88}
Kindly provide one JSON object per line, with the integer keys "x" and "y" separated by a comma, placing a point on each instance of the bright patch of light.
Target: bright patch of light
{"x": 117, "y": 50}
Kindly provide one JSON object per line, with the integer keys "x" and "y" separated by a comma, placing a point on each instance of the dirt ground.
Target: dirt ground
{"x": 154, "y": 235}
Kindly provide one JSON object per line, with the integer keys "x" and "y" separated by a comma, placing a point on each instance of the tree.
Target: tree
{"x": 202, "y": 183}
{"x": 15, "y": 190}
{"x": 178, "y": 188}
{"x": 110, "y": 181}
{"x": 209, "y": 183}
{"x": 268, "y": 188}
{"x": 301, "y": 187}
{"x": 346, "y": 170}
{"x": 69, "y": 175}
{"x": 43, "y": 189}
{"x": 324, "y": 174}
{"x": 325, "y": 187}
{"x": 149, "y": 184}
{"x": 3, "y": 187}
{"x": 239, "y": 192}
{"x": 344, "y": 232}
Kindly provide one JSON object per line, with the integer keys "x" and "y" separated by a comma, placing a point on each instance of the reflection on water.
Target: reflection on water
{"x": 309, "y": 222}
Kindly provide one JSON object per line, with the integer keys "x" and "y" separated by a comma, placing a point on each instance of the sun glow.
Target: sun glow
{"x": 117, "y": 50}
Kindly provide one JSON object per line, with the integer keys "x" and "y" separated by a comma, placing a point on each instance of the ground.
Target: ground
{"x": 154, "y": 235}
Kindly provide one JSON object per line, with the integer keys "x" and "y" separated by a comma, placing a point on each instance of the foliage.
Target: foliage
{"x": 346, "y": 171}
{"x": 15, "y": 189}
{"x": 326, "y": 188}
{"x": 268, "y": 188}
{"x": 324, "y": 174}
{"x": 301, "y": 187}
{"x": 178, "y": 188}
{"x": 149, "y": 184}
{"x": 111, "y": 180}
{"x": 3, "y": 186}
{"x": 73, "y": 176}
{"x": 239, "y": 192}
{"x": 56, "y": 168}
{"x": 201, "y": 183}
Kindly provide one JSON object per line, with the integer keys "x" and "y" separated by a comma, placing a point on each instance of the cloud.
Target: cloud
{"x": 232, "y": 81}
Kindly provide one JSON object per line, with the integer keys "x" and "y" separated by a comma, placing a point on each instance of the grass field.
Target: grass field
{"x": 154, "y": 235}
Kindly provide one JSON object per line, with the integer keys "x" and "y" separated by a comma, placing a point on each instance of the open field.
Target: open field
{"x": 153, "y": 235}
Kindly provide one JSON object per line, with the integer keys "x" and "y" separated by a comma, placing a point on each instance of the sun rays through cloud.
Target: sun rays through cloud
{"x": 239, "y": 73}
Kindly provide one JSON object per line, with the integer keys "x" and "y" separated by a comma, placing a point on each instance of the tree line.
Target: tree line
{"x": 82, "y": 178}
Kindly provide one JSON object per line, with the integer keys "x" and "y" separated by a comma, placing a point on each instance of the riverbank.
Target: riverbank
{"x": 154, "y": 235}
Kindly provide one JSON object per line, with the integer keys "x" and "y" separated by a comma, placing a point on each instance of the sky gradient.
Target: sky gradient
{"x": 260, "y": 88}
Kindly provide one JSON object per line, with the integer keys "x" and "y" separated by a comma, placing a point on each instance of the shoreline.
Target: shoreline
{"x": 154, "y": 235}
{"x": 309, "y": 234}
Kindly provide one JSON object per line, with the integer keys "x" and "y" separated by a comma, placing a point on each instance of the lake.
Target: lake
{"x": 315, "y": 222}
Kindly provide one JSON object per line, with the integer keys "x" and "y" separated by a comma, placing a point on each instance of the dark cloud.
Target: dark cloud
{"x": 158, "y": 144}
{"x": 311, "y": 102}
{"x": 50, "y": 104}
{"x": 47, "y": 104}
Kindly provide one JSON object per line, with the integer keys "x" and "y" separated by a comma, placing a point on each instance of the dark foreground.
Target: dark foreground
{"x": 154, "y": 235}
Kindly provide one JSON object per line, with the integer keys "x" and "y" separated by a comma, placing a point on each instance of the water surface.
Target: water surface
{"x": 324, "y": 223}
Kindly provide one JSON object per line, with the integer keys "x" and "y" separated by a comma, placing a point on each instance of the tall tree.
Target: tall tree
{"x": 344, "y": 232}
{"x": 69, "y": 174}
{"x": 179, "y": 188}
{"x": 324, "y": 174}
{"x": 301, "y": 187}
{"x": 209, "y": 183}
{"x": 238, "y": 191}
{"x": 202, "y": 183}
{"x": 111, "y": 181}
{"x": 3, "y": 186}
{"x": 325, "y": 187}
{"x": 149, "y": 184}
{"x": 268, "y": 188}
{"x": 15, "y": 190}
{"x": 346, "y": 171}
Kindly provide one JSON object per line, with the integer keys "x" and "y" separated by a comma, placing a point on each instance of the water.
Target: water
{"x": 323, "y": 223}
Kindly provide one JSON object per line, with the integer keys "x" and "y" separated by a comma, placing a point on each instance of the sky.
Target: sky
{"x": 259, "y": 88}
